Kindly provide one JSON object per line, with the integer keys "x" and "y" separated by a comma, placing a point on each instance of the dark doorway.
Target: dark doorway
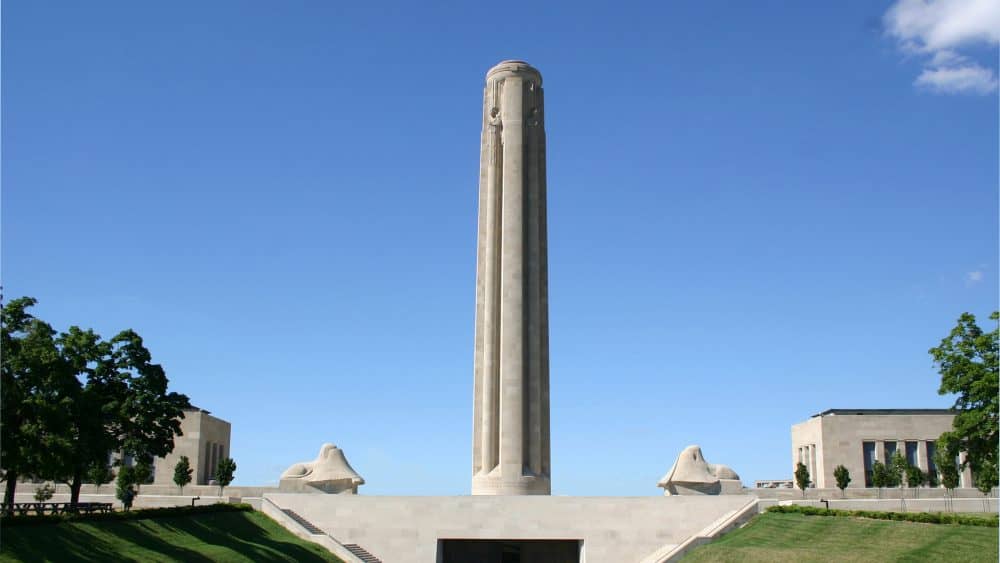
{"x": 509, "y": 551}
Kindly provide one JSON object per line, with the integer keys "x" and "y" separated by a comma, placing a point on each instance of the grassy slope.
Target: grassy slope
{"x": 232, "y": 536}
{"x": 795, "y": 537}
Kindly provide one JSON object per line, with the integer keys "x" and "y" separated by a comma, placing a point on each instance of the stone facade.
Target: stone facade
{"x": 205, "y": 441}
{"x": 511, "y": 391}
{"x": 856, "y": 437}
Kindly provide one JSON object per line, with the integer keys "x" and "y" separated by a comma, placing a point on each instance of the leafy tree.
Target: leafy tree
{"x": 843, "y": 477}
{"x": 897, "y": 470}
{"x": 90, "y": 411}
{"x": 802, "y": 477}
{"x": 119, "y": 403}
{"x": 150, "y": 417}
{"x": 183, "y": 472}
{"x": 224, "y": 473}
{"x": 44, "y": 492}
{"x": 967, "y": 361}
{"x": 70, "y": 399}
{"x": 33, "y": 386}
{"x": 880, "y": 476}
{"x": 100, "y": 474}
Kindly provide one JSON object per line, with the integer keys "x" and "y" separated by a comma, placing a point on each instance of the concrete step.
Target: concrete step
{"x": 362, "y": 553}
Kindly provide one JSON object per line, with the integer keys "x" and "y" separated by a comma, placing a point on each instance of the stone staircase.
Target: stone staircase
{"x": 358, "y": 551}
{"x": 312, "y": 529}
{"x": 362, "y": 553}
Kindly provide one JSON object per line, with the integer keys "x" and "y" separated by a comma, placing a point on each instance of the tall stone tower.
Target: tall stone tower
{"x": 510, "y": 452}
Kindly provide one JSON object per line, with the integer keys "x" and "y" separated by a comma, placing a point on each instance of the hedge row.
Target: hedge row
{"x": 923, "y": 517}
{"x": 140, "y": 514}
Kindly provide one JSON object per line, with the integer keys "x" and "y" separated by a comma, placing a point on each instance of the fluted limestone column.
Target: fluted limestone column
{"x": 511, "y": 411}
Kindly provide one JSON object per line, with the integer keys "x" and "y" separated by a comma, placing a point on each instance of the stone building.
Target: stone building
{"x": 205, "y": 441}
{"x": 856, "y": 438}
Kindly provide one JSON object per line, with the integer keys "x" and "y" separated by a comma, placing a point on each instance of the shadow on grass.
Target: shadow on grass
{"x": 201, "y": 538}
{"x": 88, "y": 543}
{"x": 250, "y": 535}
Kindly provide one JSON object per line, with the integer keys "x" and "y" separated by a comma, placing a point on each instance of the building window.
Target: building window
{"x": 208, "y": 463}
{"x": 868, "y": 453}
{"x": 911, "y": 453}
{"x": 890, "y": 450}
{"x": 931, "y": 468}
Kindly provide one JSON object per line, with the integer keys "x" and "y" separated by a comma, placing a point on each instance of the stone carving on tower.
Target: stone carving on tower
{"x": 328, "y": 473}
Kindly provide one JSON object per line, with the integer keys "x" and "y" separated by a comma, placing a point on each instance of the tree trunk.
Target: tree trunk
{"x": 8, "y": 495}
{"x": 74, "y": 488}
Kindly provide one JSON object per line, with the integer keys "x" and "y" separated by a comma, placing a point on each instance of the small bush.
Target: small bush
{"x": 8, "y": 521}
{"x": 922, "y": 517}
{"x": 44, "y": 492}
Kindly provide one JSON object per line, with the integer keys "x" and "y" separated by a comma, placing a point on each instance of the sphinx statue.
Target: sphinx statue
{"x": 328, "y": 473}
{"x": 692, "y": 475}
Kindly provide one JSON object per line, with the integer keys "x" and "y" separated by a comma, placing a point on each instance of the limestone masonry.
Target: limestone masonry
{"x": 510, "y": 452}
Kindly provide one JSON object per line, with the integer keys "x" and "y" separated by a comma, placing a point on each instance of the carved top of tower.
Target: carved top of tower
{"x": 514, "y": 68}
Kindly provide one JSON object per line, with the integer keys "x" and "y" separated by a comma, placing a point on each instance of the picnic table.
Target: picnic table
{"x": 40, "y": 508}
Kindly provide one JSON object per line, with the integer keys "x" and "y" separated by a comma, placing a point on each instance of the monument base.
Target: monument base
{"x": 490, "y": 484}
{"x": 425, "y": 529}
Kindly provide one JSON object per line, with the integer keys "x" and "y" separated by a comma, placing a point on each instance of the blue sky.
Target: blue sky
{"x": 756, "y": 212}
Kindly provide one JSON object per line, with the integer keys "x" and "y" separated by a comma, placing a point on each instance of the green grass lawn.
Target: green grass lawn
{"x": 224, "y": 536}
{"x": 796, "y": 537}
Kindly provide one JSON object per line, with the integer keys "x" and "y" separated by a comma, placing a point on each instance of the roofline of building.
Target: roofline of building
{"x": 884, "y": 411}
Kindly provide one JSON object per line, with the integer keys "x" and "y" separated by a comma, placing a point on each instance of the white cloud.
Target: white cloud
{"x": 974, "y": 276}
{"x": 935, "y": 29}
{"x": 972, "y": 79}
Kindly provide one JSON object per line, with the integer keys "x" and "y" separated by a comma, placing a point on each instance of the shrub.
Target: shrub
{"x": 44, "y": 492}
{"x": 922, "y": 517}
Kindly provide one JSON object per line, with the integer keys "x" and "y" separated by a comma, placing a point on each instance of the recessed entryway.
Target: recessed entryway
{"x": 509, "y": 551}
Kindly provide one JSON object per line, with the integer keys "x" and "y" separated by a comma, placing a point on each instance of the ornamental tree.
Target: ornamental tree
{"x": 914, "y": 478}
{"x": 124, "y": 481}
{"x": 802, "y": 477}
{"x": 182, "y": 472}
{"x": 880, "y": 476}
{"x": 143, "y": 472}
{"x": 224, "y": 473}
{"x": 843, "y": 478}
{"x": 100, "y": 474}
{"x": 947, "y": 469}
{"x": 897, "y": 470}
{"x": 986, "y": 479}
